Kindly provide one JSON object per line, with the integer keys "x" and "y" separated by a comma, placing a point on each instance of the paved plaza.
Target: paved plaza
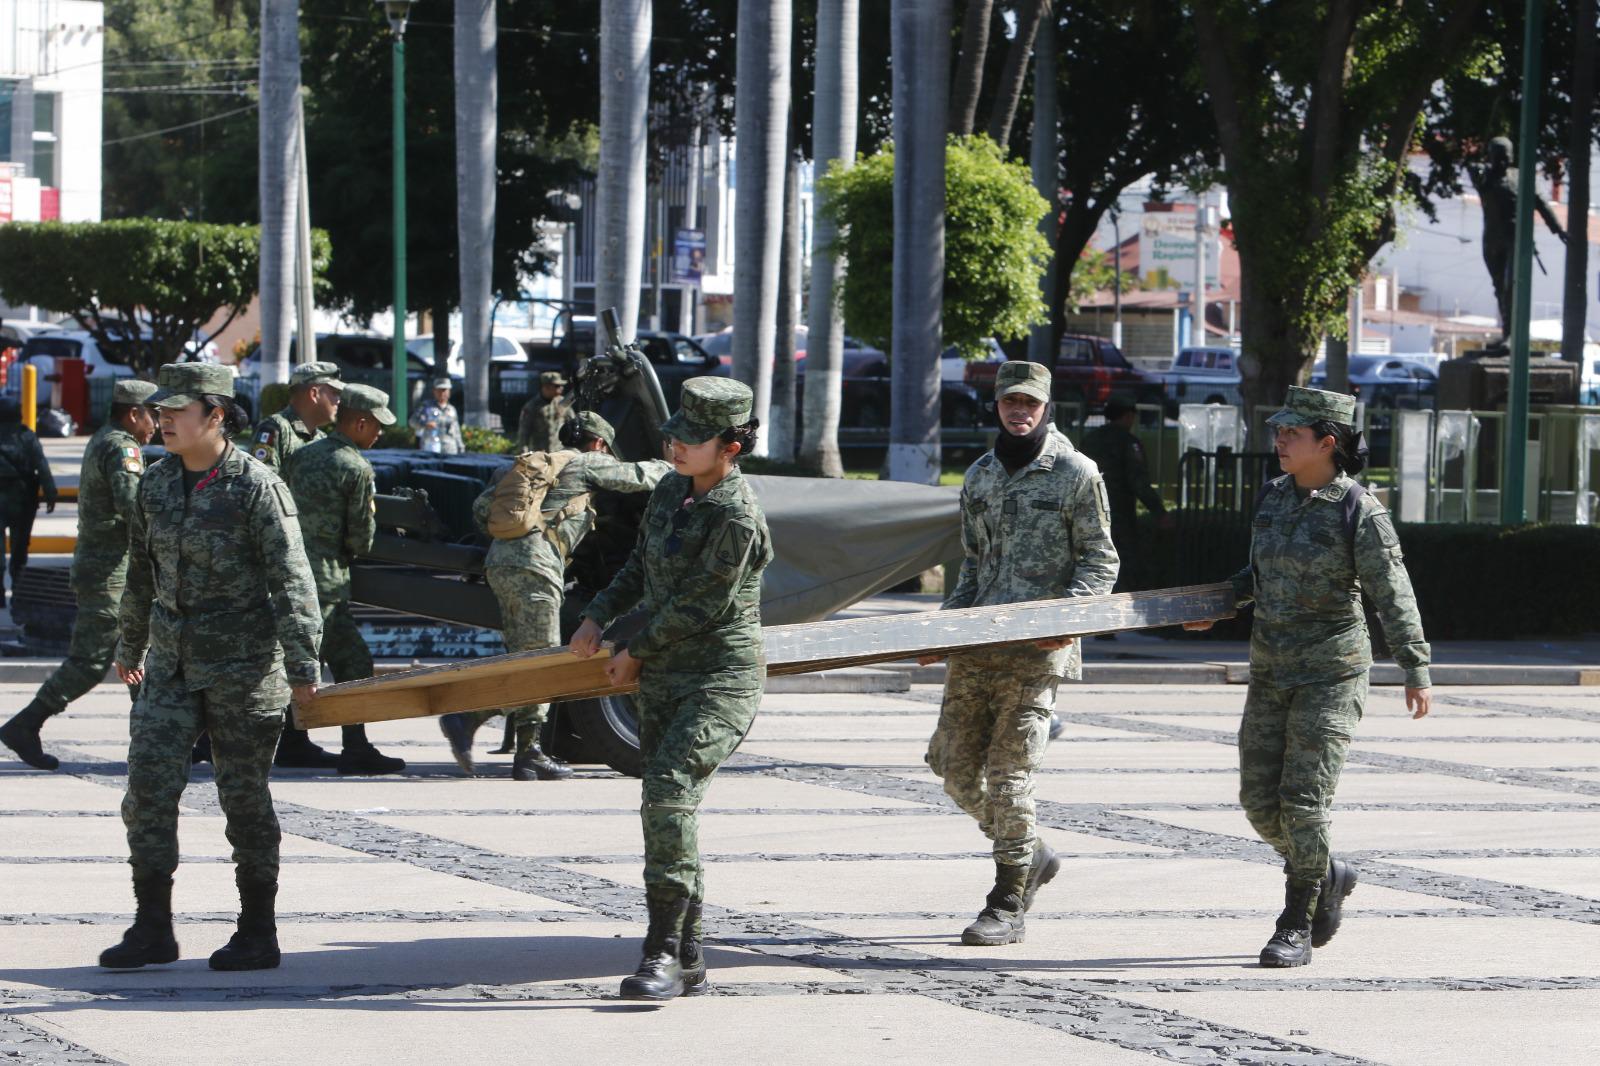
{"x": 431, "y": 918}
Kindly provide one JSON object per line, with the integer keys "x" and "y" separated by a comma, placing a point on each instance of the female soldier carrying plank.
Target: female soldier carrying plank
{"x": 1319, "y": 541}
{"x": 220, "y": 594}
{"x": 696, "y": 574}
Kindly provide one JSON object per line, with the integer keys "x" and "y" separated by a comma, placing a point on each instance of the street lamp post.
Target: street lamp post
{"x": 396, "y": 11}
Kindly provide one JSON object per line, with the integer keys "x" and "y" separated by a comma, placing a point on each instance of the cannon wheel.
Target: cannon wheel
{"x": 604, "y": 730}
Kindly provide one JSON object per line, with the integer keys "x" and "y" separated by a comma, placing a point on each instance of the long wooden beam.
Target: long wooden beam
{"x": 555, "y": 674}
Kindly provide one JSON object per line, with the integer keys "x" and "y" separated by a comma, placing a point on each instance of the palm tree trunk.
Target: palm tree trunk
{"x": 278, "y": 183}
{"x": 969, "y": 72}
{"x": 780, "y": 441}
{"x": 761, "y": 111}
{"x": 1009, "y": 92}
{"x": 477, "y": 36}
{"x": 919, "y": 42}
{"x": 1575, "y": 283}
{"x": 1046, "y": 160}
{"x": 833, "y": 137}
{"x": 620, "y": 190}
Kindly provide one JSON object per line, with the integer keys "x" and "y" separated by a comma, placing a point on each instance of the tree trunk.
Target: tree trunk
{"x": 780, "y": 441}
{"x": 833, "y": 136}
{"x": 1046, "y": 160}
{"x": 1575, "y": 286}
{"x": 620, "y": 188}
{"x": 969, "y": 72}
{"x": 761, "y": 113}
{"x": 1082, "y": 218}
{"x": 440, "y": 327}
{"x": 278, "y": 183}
{"x": 1008, "y": 93}
{"x": 477, "y": 102}
{"x": 1274, "y": 352}
{"x": 920, "y": 41}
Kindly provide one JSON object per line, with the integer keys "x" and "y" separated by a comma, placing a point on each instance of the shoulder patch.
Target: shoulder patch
{"x": 1383, "y": 526}
{"x": 130, "y": 451}
{"x": 267, "y": 435}
{"x": 732, "y": 546}
{"x": 133, "y": 465}
{"x": 1102, "y": 502}
{"x": 285, "y": 499}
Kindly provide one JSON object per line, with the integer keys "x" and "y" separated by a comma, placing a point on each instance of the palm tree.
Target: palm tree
{"x": 620, "y": 188}
{"x": 969, "y": 71}
{"x": 761, "y": 110}
{"x": 278, "y": 178}
{"x": 780, "y": 441}
{"x": 1008, "y": 93}
{"x": 477, "y": 96}
{"x": 1575, "y": 287}
{"x": 833, "y": 137}
{"x": 1046, "y": 161}
{"x": 919, "y": 44}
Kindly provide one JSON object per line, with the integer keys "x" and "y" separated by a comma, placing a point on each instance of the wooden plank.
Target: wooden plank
{"x": 555, "y": 674}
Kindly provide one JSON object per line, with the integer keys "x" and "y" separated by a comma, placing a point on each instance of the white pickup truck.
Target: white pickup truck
{"x": 1203, "y": 375}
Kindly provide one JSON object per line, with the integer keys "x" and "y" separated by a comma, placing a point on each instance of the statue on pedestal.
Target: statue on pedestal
{"x": 1496, "y": 183}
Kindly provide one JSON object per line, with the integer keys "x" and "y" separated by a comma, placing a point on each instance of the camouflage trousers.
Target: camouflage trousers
{"x": 993, "y": 728}
{"x": 343, "y": 648}
{"x": 530, "y": 609}
{"x": 94, "y": 643}
{"x": 689, "y": 723}
{"x": 1292, "y": 745}
{"x": 166, "y": 720}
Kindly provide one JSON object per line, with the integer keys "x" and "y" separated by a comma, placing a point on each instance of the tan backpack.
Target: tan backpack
{"x": 518, "y": 505}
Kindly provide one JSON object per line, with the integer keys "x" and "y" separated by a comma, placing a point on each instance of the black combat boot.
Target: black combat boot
{"x": 1337, "y": 884}
{"x": 21, "y": 735}
{"x": 149, "y": 940}
{"x": 458, "y": 730}
{"x": 297, "y": 752}
{"x": 360, "y": 758}
{"x": 1291, "y": 942}
{"x": 534, "y": 764}
{"x": 1001, "y": 921}
{"x": 660, "y": 974}
{"x": 691, "y": 953}
{"x": 1046, "y": 864}
{"x": 254, "y": 944}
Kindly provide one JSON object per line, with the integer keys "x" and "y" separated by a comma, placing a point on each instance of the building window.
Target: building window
{"x": 7, "y": 96}
{"x": 44, "y": 139}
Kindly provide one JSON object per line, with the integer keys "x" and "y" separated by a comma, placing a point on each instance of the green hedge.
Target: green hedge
{"x": 1473, "y": 582}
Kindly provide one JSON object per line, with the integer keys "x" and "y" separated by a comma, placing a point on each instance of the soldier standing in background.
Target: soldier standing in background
{"x": 313, "y": 399}
{"x": 332, "y": 484}
{"x": 1035, "y": 526}
{"x": 23, "y": 472}
{"x": 539, "y": 426}
{"x": 528, "y": 572}
{"x": 108, "y": 490}
{"x": 436, "y": 422}
{"x": 1119, "y": 455}
{"x": 1319, "y": 541}
{"x": 220, "y": 595}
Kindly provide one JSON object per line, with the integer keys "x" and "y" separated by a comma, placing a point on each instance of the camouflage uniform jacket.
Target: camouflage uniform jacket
{"x": 539, "y": 425}
{"x": 445, "y": 423}
{"x": 108, "y": 492}
{"x": 696, "y": 573}
{"x": 332, "y": 483}
{"x": 1042, "y": 533}
{"x": 218, "y": 586}
{"x": 585, "y": 472}
{"x": 1306, "y": 576}
{"x": 278, "y": 437}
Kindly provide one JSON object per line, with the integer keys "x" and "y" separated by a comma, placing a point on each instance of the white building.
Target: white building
{"x": 52, "y": 55}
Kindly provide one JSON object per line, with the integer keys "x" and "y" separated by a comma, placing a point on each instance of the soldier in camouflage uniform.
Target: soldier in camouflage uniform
{"x": 696, "y": 574}
{"x": 528, "y": 573}
{"x": 221, "y": 597}
{"x": 107, "y": 488}
{"x": 539, "y": 426}
{"x": 332, "y": 484}
{"x": 313, "y": 400}
{"x": 436, "y": 422}
{"x": 1319, "y": 542}
{"x": 1119, "y": 455}
{"x": 1034, "y": 525}
{"x": 24, "y": 471}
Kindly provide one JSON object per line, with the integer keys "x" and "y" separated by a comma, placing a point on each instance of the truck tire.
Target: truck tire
{"x": 606, "y": 731}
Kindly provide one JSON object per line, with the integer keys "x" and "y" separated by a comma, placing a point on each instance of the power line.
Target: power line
{"x": 184, "y": 126}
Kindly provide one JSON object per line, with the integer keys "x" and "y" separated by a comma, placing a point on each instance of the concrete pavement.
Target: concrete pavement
{"x": 430, "y": 917}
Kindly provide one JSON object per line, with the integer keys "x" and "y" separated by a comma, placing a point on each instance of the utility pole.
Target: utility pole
{"x": 400, "y": 390}
{"x": 1513, "y": 483}
{"x": 1198, "y": 332}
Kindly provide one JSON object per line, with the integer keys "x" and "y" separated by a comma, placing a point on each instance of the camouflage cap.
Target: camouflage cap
{"x": 442, "y": 383}
{"x": 1304, "y": 406}
{"x": 709, "y": 406}
{"x": 593, "y": 425}
{"x": 1019, "y": 375}
{"x": 368, "y": 400}
{"x": 132, "y": 391}
{"x": 552, "y": 377}
{"x": 315, "y": 374}
{"x": 181, "y": 384}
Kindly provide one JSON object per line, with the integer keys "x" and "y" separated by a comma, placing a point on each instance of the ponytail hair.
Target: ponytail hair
{"x": 1349, "y": 449}
{"x": 744, "y": 436}
{"x": 234, "y": 420}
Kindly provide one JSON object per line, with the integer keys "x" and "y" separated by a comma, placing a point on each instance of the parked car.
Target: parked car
{"x": 14, "y": 333}
{"x": 1087, "y": 370}
{"x": 44, "y": 348}
{"x": 363, "y": 358}
{"x": 1203, "y": 375}
{"x": 953, "y": 366}
{"x": 1387, "y": 381}
{"x": 864, "y": 396}
{"x": 503, "y": 349}
{"x": 675, "y": 357}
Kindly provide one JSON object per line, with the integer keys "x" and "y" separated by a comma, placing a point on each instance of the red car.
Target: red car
{"x": 1087, "y": 370}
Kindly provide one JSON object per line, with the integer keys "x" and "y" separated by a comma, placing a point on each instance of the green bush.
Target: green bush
{"x": 398, "y": 436}
{"x": 486, "y": 441}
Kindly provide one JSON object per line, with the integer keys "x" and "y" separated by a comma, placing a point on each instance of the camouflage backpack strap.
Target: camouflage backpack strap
{"x": 1352, "y": 510}
{"x": 554, "y": 520}
{"x": 518, "y": 505}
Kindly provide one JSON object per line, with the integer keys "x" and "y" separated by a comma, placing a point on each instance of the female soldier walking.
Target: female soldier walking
{"x": 696, "y": 573}
{"x": 220, "y": 594}
{"x": 1319, "y": 541}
